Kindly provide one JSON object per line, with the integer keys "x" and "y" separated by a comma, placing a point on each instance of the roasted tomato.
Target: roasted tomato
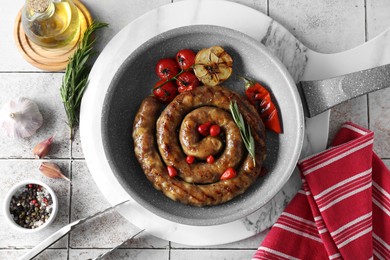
{"x": 190, "y": 159}
{"x": 167, "y": 68}
{"x": 215, "y": 130}
{"x": 165, "y": 91}
{"x": 204, "y": 129}
{"x": 228, "y": 174}
{"x": 187, "y": 81}
{"x": 185, "y": 58}
{"x": 172, "y": 172}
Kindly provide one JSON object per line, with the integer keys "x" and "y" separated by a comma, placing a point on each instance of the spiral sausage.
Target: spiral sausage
{"x": 174, "y": 136}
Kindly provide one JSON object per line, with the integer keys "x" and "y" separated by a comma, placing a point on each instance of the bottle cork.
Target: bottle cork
{"x": 38, "y": 6}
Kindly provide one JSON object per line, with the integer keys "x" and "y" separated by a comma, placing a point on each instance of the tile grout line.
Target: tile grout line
{"x": 169, "y": 250}
{"x": 30, "y": 72}
{"x": 41, "y": 160}
{"x": 140, "y": 248}
{"x": 120, "y": 248}
{"x": 365, "y": 22}
{"x": 365, "y": 40}
{"x": 268, "y": 7}
{"x": 71, "y": 146}
{"x": 70, "y": 190}
{"x": 213, "y": 249}
{"x": 70, "y": 204}
{"x": 368, "y": 112}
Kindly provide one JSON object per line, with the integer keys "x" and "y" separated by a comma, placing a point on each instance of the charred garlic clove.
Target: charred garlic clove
{"x": 20, "y": 118}
{"x": 213, "y": 66}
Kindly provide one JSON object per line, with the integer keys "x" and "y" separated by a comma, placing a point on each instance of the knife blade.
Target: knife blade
{"x": 102, "y": 256}
{"x": 62, "y": 232}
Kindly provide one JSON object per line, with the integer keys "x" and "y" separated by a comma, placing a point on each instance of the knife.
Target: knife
{"x": 62, "y": 232}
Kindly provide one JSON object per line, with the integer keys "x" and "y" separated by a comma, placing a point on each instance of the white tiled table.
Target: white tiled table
{"x": 324, "y": 26}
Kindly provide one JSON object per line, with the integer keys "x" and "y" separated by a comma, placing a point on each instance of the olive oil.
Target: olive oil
{"x": 51, "y": 23}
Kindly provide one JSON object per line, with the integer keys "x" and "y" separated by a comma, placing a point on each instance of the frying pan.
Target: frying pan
{"x": 133, "y": 82}
{"x": 135, "y": 78}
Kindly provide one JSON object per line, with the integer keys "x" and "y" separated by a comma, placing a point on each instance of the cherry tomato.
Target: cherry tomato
{"x": 210, "y": 159}
{"x": 185, "y": 58}
{"x": 171, "y": 171}
{"x": 167, "y": 68}
{"x": 165, "y": 91}
{"x": 187, "y": 81}
{"x": 228, "y": 174}
{"x": 190, "y": 159}
{"x": 204, "y": 129}
{"x": 215, "y": 130}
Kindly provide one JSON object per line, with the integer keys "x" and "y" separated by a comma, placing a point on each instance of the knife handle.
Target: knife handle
{"x": 321, "y": 95}
{"x": 48, "y": 242}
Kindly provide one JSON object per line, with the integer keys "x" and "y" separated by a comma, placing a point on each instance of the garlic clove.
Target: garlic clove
{"x": 20, "y": 118}
{"x": 43, "y": 148}
{"x": 52, "y": 170}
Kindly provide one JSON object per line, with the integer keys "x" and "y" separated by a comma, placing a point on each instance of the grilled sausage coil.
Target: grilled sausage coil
{"x": 166, "y": 140}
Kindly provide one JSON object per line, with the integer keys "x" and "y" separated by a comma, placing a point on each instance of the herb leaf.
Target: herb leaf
{"x": 75, "y": 79}
{"x": 245, "y": 130}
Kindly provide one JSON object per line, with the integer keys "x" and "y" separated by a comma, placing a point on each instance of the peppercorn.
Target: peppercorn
{"x": 28, "y": 208}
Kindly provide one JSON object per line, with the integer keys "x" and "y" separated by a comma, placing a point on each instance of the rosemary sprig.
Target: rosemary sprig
{"x": 245, "y": 130}
{"x": 75, "y": 79}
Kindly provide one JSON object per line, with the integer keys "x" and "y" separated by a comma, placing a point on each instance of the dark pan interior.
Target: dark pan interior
{"x": 134, "y": 81}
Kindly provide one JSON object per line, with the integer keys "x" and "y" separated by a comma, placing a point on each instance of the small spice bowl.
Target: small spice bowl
{"x": 30, "y": 206}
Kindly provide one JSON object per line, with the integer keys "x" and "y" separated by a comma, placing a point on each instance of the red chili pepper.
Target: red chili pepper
{"x": 34, "y": 202}
{"x": 261, "y": 99}
{"x": 228, "y": 174}
{"x": 171, "y": 171}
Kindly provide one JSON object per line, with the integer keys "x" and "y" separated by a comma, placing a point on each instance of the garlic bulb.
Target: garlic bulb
{"x": 20, "y": 118}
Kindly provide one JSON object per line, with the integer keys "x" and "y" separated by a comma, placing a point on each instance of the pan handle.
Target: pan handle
{"x": 321, "y": 95}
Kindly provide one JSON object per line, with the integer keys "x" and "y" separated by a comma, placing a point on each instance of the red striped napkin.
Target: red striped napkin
{"x": 343, "y": 211}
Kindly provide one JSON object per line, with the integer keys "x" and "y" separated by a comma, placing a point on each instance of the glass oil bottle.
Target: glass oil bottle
{"x": 51, "y": 23}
